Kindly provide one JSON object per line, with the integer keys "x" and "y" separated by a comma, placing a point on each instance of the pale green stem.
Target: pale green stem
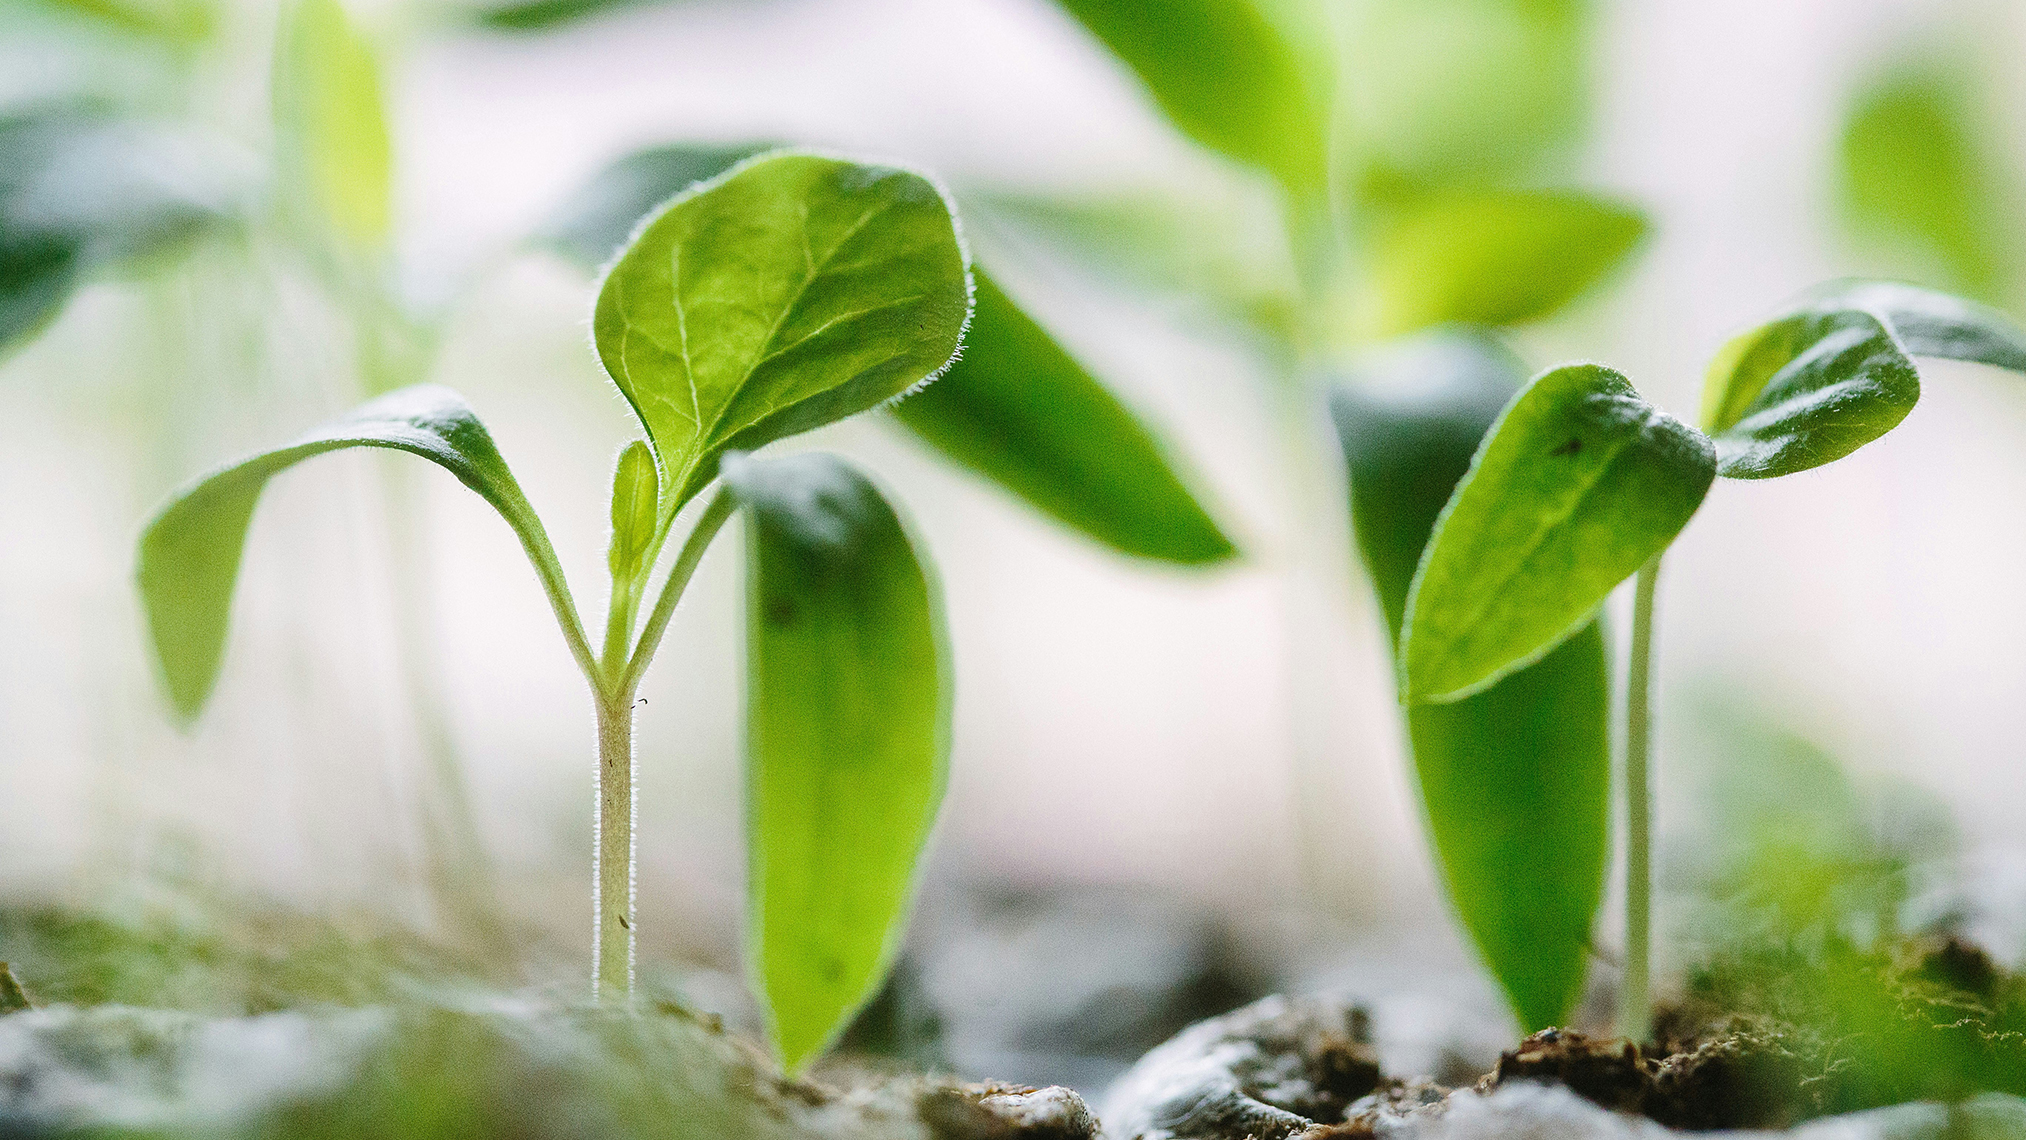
{"x": 613, "y": 877}
{"x": 1635, "y": 1008}
{"x": 612, "y": 885}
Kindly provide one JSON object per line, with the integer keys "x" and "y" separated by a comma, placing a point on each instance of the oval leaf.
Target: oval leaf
{"x": 1022, "y": 412}
{"x": 1492, "y": 258}
{"x": 791, "y": 292}
{"x": 636, "y": 490}
{"x": 1805, "y": 390}
{"x": 1515, "y": 781}
{"x": 1928, "y": 323}
{"x": 1579, "y": 483}
{"x": 848, "y": 705}
{"x": 591, "y": 226}
{"x": 190, "y": 551}
{"x": 1228, "y": 76}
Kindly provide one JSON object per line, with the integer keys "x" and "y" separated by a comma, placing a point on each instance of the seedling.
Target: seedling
{"x": 788, "y": 293}
{"x": 1581, "y": 484}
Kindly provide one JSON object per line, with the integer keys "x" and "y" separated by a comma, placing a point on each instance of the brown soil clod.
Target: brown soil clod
{"x": 1609, "y": 1071}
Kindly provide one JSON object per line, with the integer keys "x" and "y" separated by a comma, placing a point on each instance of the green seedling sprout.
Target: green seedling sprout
{"x": 790, "y": 292}
{"x": 1581, "y": 484}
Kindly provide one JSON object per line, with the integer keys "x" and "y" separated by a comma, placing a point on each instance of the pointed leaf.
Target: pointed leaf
{"x": 1917, "y": 178}
{"x": 1228, "y": 75}
{"x": 789, "y": 293}
{"x": 591, "y": 226}
{"x": 636, "y": 490}
{"x": 1515, "y": 781}
{"x": 331, "y": 124}
{"x": 190, "y": 551}
{"x": 847, "y": 738}
{"x": 1805, "y": 390}
{"x": 1578, "y": 484}
{"x": 1022, "y": 412}
{"x": 1491, "y": 258}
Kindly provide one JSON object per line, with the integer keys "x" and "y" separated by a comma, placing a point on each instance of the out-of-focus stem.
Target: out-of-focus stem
{"x": 1635, "y": 1008}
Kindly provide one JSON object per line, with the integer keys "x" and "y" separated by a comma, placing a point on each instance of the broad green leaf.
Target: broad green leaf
{"x": 1022, "y": 412}
{"x": 1462, "y": 91}
{"x": 848, "y": 706}
{"x": 1515, "y": 780}
{"x": 1578, "y": 484}
{"x": 598, "y": 218}
{"x": 636, "y": 492}
{"x": 1805, "y": 390}
{"x": 82, "y": 193}
{"x": 1229, "y": 76}
{"x": 330, "y": 123}
{"x": 1918, "y": 178}
{"x": 190, "y": 551}
{"x": 1490, "y": 258}
{"x": 789, "y": 293}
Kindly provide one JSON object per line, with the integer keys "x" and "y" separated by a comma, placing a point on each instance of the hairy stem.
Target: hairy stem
{"x": 612, "y": 886}
{"x": 1635, "y": 1008}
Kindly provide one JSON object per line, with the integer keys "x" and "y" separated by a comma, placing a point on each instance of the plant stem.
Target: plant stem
{"x": 1635, "y": 1009}
{"x": 707, "y": 526}
{"x": 612, "y": 886}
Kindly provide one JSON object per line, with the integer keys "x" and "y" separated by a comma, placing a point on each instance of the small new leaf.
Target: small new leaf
{"x": 1022, "y": 412}
{"x": 1805, "y": 390}
{"x": 1578, "y": 484}
{"x": 190, "y": 551}
{"x": 636, "y": 489}
{"x": 848, "y": 706}
{"x": 792, "y": 292}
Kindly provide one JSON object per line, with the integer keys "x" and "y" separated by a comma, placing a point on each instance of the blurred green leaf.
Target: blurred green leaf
{"x": 1462, "y": 91}
{"x": 795, "y": 292}
{"x": 1515, "y": 780}
{"x": 81, "y": 192}
{"x": 1490, "y": 258}
{"x": 1805, "y": 390}
{"x": 331, "y": 125}
{"x": 1579, "y": 483}
{"x": 1918, "y": 177}
{"x": 190, "y": 551}
{"x": 179, "y": 21}
{"x": 635, "y": 511}
{"x": 848, "y": 707}
{"x": 600, "y": 217}
{"x": 1229, "y": 76}
{"x": 1022, "y": 412}
{"x": 541, "y": 15}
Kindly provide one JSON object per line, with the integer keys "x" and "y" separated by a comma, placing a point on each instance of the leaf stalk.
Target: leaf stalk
{"x": 1635, "y": 1000}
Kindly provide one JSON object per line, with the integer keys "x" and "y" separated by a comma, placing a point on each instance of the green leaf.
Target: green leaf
{"x": 1491, "y": 258}
{"x": 190, "y": 551}
{"x": 1229, "y": 76}
{"x": 1022, "y": 412}
{"x": 789, "y": 293}
{"x": 1805, "y": 390}
{"x": 331, "y": 125}
{"x": 1927, "y": 323}
{"x": 1515, "y": 780}
{"x": 1579, "y": 483}
{"x": 1917, "y": 178}
{"x": 81, "y": 192}
{"x": 177, "y": 21}
{"x": 597, "y": 219}
{"x": 848, "y": 707}
{"x": 636, "y": 490}
{"x": 1463, "y": 91}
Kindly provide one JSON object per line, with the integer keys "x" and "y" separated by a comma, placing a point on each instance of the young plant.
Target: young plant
{"x": 1581, "y": 484}
{"x": 788, "y": 293}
